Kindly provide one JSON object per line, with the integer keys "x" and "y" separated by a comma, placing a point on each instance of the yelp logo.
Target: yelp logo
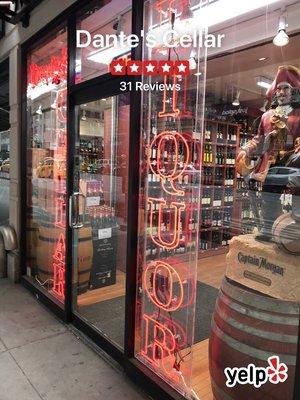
{"x": 276, "y": 372}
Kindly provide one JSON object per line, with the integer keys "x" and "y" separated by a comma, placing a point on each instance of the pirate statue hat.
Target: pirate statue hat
{"x": 288, "y": 74}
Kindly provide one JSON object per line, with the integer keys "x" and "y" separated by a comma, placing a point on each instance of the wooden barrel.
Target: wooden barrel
{"x": 47, "y": 242}
{"x": 48, "y": 237}
{"x": 286, "y": 232}
{"x": 84, "y": 257}
{"x": 32, "y": 228}
{"x": 248, "y": 328}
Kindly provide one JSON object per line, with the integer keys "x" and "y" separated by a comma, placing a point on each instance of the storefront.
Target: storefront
{"x": 136, "y": 204}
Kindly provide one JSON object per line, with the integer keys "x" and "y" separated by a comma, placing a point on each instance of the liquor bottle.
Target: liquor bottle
{"x": 217, "y": 202}
{"x": 205, "y": 154}
{"x": 206, "y": 197}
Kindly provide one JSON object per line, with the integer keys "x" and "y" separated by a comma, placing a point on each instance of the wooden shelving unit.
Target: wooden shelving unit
{"x": 218, "y": 213}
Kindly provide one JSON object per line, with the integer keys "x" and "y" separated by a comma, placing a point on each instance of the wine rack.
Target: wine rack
{"x": 219, "y": 216}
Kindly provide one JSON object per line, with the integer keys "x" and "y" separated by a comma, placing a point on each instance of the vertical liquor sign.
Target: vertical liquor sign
{"x": 59, "y": 176}
{"x": 170, "y": 190}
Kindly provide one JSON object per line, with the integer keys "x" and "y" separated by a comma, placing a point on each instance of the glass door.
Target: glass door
{"x": 98, "y": 214}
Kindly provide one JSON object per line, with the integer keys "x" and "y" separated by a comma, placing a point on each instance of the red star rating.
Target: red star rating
{"x": 134, "y": 68}
{"x": 118, "y": 67}
{"x": 147, "y": 67}
{"x": 182, "y": 67}
{"x": 150, "y": 68}
{"x": 166, "y": 67}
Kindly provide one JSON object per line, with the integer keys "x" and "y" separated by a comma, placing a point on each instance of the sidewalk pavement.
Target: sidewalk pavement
{"x": 42, "y": 358}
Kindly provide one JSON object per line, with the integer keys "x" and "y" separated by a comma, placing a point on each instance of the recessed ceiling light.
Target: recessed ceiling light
{"x": 262, "y": 58}
{"x": 263, "y": 82}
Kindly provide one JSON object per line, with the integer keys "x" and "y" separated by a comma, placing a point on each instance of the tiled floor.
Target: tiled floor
{"x": 41, "y": 358}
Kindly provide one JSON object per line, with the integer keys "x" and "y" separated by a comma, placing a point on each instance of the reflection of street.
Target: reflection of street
{"x": 4, "y": 200}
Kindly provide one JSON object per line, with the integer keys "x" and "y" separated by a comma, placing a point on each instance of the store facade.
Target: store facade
{"x": 135, "y": 205}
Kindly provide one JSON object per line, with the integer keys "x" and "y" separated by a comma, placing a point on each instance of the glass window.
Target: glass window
{"x": 100, "y": 245}
{"x": 241, "y": 244}
{"x": 248, "y": 245}
{"x": 104, "y": 18}
{"x": 169, "y": 196}
{"x": 46, "y": 165}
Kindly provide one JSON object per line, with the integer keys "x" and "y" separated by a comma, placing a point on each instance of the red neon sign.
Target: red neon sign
{"x": 170, "y": 109}
{"x": 61, "y": 105}
{"x": 168, "y": 283}
{"x": 174, "y": 167}
{"x": 158, "y": 238}
{"x": 53, "y": 72}
{"x": 60, "y": 220}
{"x": 159, "y": 344}
{"x": 59, "y": 267}
{"x": 167, "y": 301}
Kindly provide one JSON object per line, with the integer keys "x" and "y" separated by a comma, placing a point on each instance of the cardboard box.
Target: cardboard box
{"x": 263, "y": 267}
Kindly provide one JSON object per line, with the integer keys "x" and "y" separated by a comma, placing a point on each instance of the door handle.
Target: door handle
{"x": 75, "y": 221}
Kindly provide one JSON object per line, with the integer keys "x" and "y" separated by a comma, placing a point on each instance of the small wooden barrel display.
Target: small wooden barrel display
{"x": 248, "y": 328}
{"x": 286, "y": 232}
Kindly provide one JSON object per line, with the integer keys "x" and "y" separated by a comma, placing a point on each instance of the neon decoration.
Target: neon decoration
{"x": 53, "y": 72}
{"x": 170, "y": 109}
{"x": 168, "y": 269}
{"x": 59, "y": 255}
{"x": 60, "y": 209}
{"x": 59, "y": 267}
{"x": 162, "y": 143}
{"x": 158, "y": 239}
{"x": 166, "y": 301}
{"x": 165, "y": 8}
{"x": 61, "y": 105}
{"x": 160, "y": 344}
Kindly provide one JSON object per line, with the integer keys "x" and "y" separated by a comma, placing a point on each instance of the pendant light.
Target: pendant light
{"x": 282, "y": 38}
{"x": 192, "y": 60}
{"x": 236, "y": 101}
{"x": 83, "y": 118}
{"x": 39, "y": 111}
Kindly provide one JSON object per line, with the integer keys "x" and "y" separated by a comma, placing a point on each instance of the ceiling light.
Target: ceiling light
{"x": 198, "y": 73}
{"x": 236, "y": 101}
{"x": 119, "y": 25}
{"x": 39, "y": 111}
{"x": 83, "y": 118}
{"x": 263, "y": 82}
{"x": 107, "y": 54}
{"x": 192, "y": 60}
{"x": 262, "y": 58}
{"x": 281, "y": 39}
